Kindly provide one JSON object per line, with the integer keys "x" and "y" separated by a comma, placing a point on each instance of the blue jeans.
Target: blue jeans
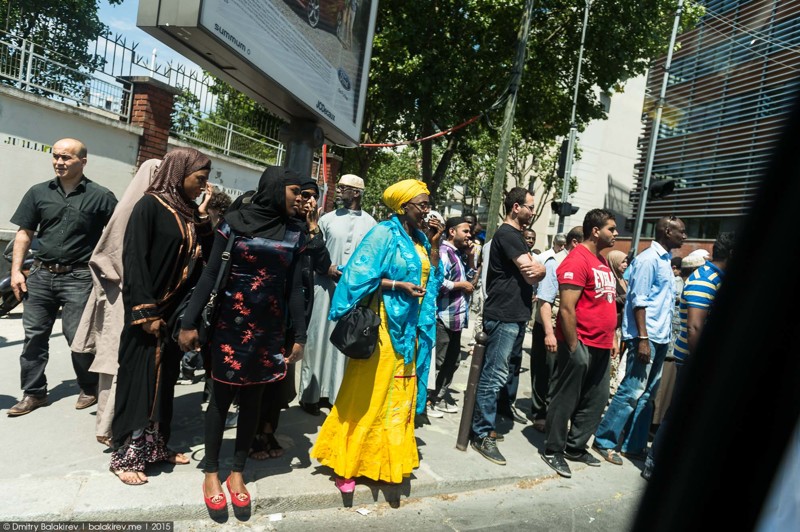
{"x": 47, "y": 293}
{"x": 631, "y": 409}
{"x": 494, "y": 372}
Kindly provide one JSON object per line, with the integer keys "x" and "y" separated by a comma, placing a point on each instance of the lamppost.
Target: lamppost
{"x": 565, "y": 207}
{"x": 648, "y": 168}
{"x": 508, "y": 122}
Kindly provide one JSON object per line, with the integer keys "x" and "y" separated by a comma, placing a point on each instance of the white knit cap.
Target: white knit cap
{"x": 694, "y": 259}
{"x": 352, "y": 180}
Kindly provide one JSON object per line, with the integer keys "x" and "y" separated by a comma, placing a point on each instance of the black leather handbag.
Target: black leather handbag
{"x": 208, "y": 316}
{"x": 356, "y": 333}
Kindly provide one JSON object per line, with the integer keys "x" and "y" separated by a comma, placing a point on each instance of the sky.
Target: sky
{"x": 121, "y": 19}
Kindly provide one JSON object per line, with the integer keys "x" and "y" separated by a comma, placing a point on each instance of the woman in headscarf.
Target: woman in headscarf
{"x": 618, "y": 261}
{"x": 370, "y": 430}
{"x": 315, "y": 259}
{"x": 104, "y": 316}
{"x": 161, "y": 248}
{"x": 247, "y": 346}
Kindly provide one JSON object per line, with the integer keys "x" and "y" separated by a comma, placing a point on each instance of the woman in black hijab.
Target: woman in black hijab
{"x": 247, "y": 347}
{"x": 315, "y": 259}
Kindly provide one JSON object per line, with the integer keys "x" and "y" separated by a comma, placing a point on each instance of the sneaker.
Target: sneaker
{"x": 556, "y": 461}
{"x": 444, "y": 406}
{"x": 647, "y": 472}
{"x": 432, "y": 411}
{"x": 584, "y": 457}
{"x": 487, "y": 447}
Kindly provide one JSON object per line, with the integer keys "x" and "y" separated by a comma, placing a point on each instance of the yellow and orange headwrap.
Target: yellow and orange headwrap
{"x": 402, "y": 192}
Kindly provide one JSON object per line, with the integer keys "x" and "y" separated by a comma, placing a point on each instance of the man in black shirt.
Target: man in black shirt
{"x": 509, "y": 302}
{"x": 69, "y": 212}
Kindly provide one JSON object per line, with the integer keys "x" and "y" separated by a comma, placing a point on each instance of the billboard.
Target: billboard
{"x": 305, "y": 59}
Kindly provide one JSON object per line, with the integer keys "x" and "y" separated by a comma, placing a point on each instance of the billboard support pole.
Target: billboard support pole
{"x": 302, "y": 139}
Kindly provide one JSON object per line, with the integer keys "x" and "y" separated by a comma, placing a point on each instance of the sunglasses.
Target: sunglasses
{"x": 423, "y": 206}
{"x": 307, "y": 195}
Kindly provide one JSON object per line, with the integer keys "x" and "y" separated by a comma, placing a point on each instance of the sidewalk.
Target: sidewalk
{"x": 53, "y": 469}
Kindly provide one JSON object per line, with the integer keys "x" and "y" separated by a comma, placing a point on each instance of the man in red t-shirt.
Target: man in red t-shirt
{"x": 585, "y": 331}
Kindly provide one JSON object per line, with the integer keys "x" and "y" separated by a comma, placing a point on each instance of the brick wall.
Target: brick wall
{"x": 152, "y": 111}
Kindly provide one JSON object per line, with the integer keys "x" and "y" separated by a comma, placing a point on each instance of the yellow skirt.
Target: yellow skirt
{"x": 370, "y": 430}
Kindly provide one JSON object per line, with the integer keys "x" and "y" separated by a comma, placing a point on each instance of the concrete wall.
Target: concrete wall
{"x": 30, "y": 124}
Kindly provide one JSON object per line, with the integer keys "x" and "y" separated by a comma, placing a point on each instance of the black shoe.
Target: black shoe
{"x": 584, "y": 457}
{"x": 488, "y": 448}
{"x": 496, "y": 436}
{"x": 186, "y": 377}
{"x": 556, "y": 461}
{"x": 310, "y": 408}
{"x": 513, "y": 414}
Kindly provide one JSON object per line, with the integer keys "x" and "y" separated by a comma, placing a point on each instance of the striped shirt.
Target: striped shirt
{"x": 452, "y": 303}
{"x": 699, "y": 292}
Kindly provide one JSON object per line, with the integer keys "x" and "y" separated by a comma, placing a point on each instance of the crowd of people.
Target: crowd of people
{"x": 253, "y": 287}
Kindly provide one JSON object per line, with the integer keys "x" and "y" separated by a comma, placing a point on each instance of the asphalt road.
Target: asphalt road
{"x": 599, "y": 499}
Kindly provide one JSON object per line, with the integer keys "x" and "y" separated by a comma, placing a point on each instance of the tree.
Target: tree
{"x": 436, "y": 64}
{"x": 391, "y": 166}
{"x": 65, "y": 27}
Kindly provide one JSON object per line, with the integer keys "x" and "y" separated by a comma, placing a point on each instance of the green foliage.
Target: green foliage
{"x": 236, "y": 125}
{"x": 436, "y": 64}
{"x": 391, "y": 166}
{"x": 185, "y": 112}
{"x": 65, "y": 27}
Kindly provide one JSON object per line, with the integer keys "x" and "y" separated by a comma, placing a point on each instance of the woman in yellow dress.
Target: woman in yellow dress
{"x": 370, "y": 430}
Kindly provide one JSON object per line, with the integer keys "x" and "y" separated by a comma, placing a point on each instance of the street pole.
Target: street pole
{"x": 648, "y": 167}
{"x": 573, "y": 126}
{"x": 508, "y": 123}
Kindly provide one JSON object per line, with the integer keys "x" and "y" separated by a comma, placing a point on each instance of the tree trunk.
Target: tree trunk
{"x": 444, "y": 164}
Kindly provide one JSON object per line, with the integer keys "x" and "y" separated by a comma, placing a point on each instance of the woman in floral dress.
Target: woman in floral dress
{"x": 261, "y": 298}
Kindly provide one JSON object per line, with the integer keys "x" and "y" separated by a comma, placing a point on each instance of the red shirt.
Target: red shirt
{"x": 596, "y": 310}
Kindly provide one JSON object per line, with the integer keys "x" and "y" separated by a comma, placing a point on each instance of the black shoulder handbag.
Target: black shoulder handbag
{"x": 209, "y": 314}
{"x": 356, "y": 333}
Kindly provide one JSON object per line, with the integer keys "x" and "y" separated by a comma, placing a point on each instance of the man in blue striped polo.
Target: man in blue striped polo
{"x": 697, "y": 299}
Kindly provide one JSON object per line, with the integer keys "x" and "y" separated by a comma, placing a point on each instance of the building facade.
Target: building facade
{"x": 732, "y": 83}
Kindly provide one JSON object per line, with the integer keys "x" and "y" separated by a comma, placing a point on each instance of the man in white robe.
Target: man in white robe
{"x": 323, "y": 365}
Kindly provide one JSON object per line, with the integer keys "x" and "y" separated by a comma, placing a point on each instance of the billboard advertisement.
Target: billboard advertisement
{"x": 301, "y": 58}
